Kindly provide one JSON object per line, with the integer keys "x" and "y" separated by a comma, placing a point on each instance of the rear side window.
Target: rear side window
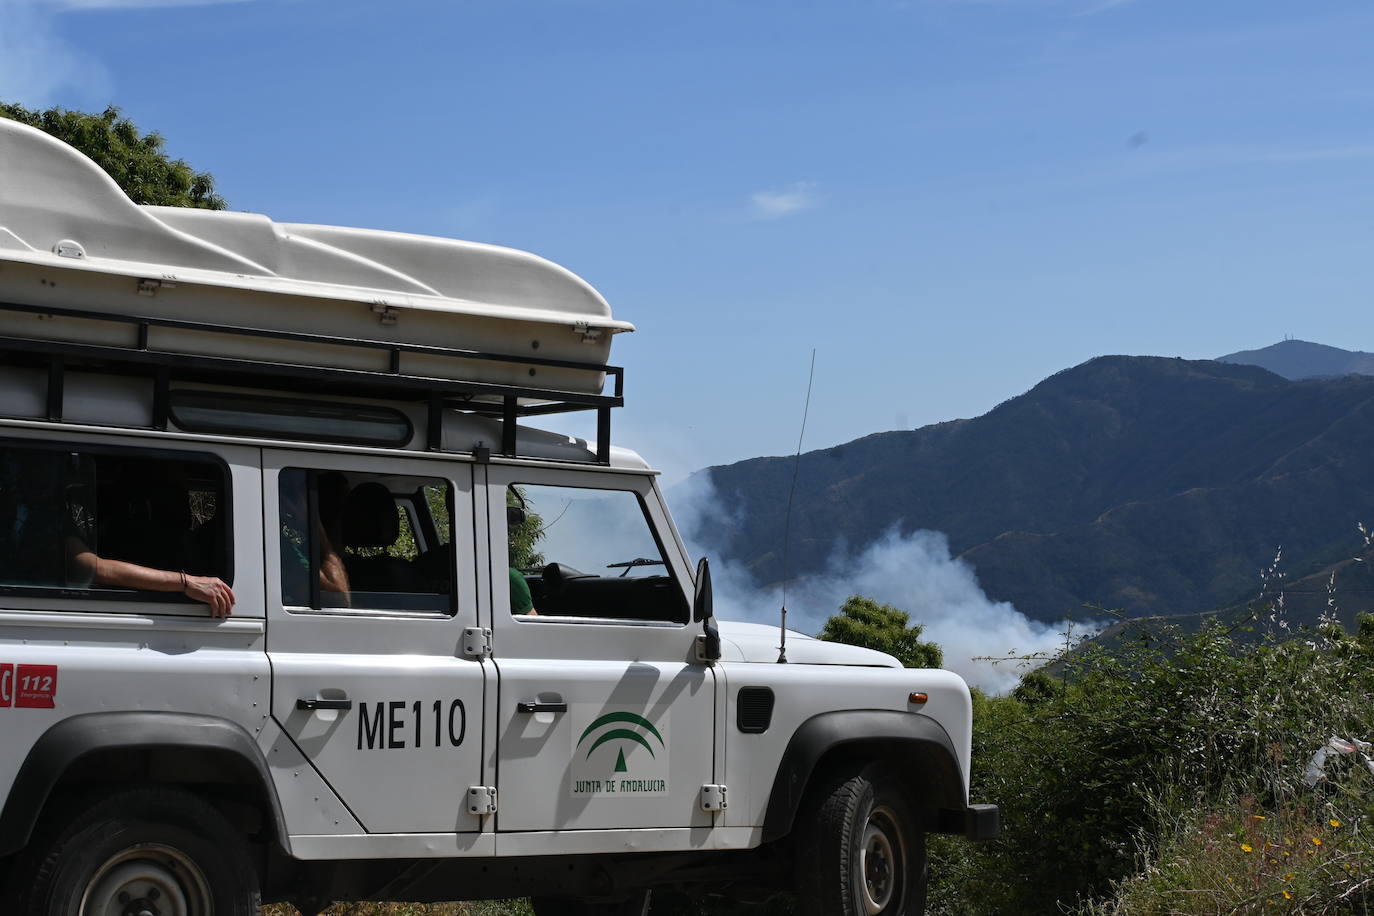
{"x": 363, "y": 541}
{"x": 63, "y": 510}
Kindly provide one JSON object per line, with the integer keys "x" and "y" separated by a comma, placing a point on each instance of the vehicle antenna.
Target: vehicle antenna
{"x": 787, "y": 519}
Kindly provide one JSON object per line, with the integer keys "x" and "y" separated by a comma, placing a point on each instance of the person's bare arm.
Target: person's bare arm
{"x": 205, "y": 589}
{"x": 333, "y": 573}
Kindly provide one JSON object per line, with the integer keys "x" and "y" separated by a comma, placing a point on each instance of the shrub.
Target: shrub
{"x": 1096, "y": 766}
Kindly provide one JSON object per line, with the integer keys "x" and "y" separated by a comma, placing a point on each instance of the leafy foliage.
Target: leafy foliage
{"x": 1107, "y": 765}
{"x": 137, "y": 163}
{"x": 524, "y": 537}
{"x": 865, "y": 622}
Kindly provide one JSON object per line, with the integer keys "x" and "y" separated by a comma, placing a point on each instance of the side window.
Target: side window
{"x": 587, "y": 553}
{"x": 366, "y": 541}
{"x": 65, "y": 511}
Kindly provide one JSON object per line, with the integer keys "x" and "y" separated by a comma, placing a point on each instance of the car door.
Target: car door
{"x": 605, "y": 720}
{"x": 371, "y": 583}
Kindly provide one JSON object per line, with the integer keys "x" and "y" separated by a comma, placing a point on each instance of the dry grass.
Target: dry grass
{"x": 477, "y": 908}
{"x": 1297, "y": 859}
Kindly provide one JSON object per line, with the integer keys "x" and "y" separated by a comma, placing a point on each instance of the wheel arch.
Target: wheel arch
{"x": 117, "y": 746}
{"x": 916, "y": 744}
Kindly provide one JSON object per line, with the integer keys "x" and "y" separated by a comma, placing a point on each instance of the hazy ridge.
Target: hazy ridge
{"x": 1146, "y": 484}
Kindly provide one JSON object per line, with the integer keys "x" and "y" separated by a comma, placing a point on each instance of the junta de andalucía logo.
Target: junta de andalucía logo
{"x": 629, "y": 730}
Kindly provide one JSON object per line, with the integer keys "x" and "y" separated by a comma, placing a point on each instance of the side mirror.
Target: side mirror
{"x": 708, "y": 643}
{"x": 702, "y": 604}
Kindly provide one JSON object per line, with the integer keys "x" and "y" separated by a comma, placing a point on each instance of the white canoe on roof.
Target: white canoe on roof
{"x": 70, "y": 238}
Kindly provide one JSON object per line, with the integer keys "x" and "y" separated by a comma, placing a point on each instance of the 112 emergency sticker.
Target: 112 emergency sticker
{"x": 28, "y": 686}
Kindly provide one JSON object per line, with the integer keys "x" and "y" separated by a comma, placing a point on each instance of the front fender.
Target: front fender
{"x": 70, "y": 740}
{"x": 918, "y": 745}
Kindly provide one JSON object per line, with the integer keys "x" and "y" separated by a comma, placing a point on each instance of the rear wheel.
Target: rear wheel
{"x": 863, "y": 853}
{"x": 143, "y": 852}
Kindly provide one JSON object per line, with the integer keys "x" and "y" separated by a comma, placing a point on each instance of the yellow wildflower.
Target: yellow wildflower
{"x": 1316, "y": 841}
{"x": 1287, "y": 896}
{"x": 1335, "y": 823}
{"x": 1246, "y": 847}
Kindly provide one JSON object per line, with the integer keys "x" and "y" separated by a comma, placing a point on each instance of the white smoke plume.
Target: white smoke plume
{"x": 982, "y": 639}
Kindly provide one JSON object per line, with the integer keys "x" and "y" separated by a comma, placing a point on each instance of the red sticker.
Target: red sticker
{"x": 6, "y": 685}
{"x": 35, "y": 686}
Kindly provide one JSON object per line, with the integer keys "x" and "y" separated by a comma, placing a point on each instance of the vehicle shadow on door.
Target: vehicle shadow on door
{"x": 646, "y": 727}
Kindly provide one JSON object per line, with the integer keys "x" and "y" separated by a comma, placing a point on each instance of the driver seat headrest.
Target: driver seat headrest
{"x": 369, "y": 517}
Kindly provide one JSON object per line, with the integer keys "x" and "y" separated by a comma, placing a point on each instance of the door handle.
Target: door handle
{"x": 541, "y": 707}
{"x": 316, "y": 703}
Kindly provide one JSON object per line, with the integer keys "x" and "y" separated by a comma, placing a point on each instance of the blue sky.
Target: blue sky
{"x": 947, "y": 200}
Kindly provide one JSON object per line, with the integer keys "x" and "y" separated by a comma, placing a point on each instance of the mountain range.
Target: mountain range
{"x": 1145, "y": 484}
{"x": 1299, "y": 359}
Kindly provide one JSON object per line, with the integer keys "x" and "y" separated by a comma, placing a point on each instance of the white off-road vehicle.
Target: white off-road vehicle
{"x": 262, "y": 636}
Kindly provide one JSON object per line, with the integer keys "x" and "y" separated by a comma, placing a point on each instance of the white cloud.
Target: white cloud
{"x": 780, "y": 202}
{"x": 36, "y": 63}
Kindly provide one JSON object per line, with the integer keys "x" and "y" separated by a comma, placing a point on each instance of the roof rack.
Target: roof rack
{"x": 508, "y": 403}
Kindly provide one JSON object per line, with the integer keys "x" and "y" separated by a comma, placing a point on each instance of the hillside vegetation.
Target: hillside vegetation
{"x": 1166, "y": 776}
{"x": 1146, "y": 484}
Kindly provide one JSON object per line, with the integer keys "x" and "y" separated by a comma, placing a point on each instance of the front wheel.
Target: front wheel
{"x": 863, "y": 853}
{"x": 149, "y": 851}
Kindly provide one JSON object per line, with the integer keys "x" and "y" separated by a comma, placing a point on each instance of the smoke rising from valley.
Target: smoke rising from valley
{"x": 913, "y": 572}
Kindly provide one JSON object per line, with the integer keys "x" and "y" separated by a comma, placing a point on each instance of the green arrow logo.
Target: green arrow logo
{"x": 626, "y": 734}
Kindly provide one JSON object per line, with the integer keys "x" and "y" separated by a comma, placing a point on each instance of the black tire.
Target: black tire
{"x": 164, "y": 850}
{"x": 860, "y": 850}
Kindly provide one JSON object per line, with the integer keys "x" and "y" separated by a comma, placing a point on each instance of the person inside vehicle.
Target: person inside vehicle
{"x": 209, "y": 590}
{"x": 332, "y": 488}
{"x": 144, "y": 508}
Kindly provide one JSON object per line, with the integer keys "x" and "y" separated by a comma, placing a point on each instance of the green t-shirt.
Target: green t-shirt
{"x": 520, "y": 600}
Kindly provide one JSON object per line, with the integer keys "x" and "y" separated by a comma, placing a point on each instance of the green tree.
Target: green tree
{"x": 526, "y": 535}
{"x": 868, "y": 623}
{"x": 137, "y": 163}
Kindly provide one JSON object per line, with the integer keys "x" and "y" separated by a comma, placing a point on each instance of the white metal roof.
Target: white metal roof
{"x": 51, "y": 195}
